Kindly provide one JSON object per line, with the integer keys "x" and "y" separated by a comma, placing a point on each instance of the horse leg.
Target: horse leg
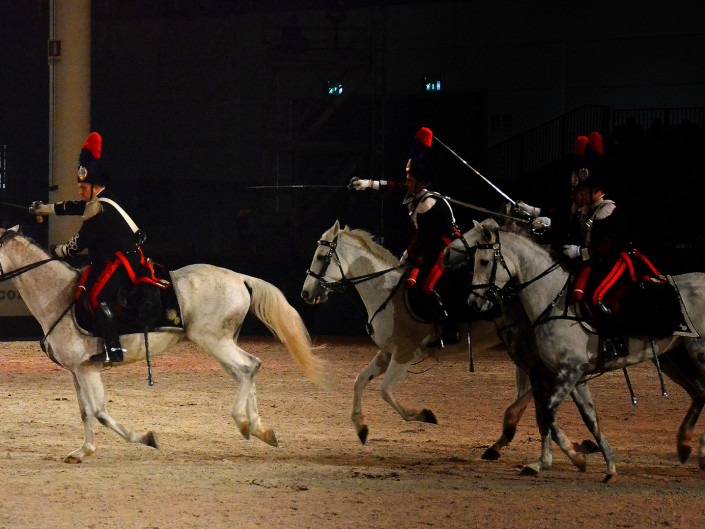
{"x": 243, "y": 367}
{"x": 256, "y": 428}
{"x": 549, "y": 393}
{"x": 680, "y": 368}
{"x": 512, "y": 416}
{"x": 546, "y": 459}
{"x": 583, "y": 400}
{"x": 377, "y": 366}
{"x": 87, "y": 416}
{"x": 91, "y": 402}
{"x": 394, "y": 374}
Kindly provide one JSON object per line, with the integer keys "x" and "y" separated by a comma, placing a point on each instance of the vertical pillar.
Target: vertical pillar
{"x": 69, "y": 104}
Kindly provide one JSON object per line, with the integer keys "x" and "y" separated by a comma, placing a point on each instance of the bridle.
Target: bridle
{"x": 343, "y": 283}
{"x": 510, "y": 288}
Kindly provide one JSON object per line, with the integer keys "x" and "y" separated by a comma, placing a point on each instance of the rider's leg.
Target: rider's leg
{"x": 439, "y": 313}
{"x": 605, "y": 320}
{"x": 102, "y": 293}
{"x": 108, "y": 329}
{"x": 614, "y": 344}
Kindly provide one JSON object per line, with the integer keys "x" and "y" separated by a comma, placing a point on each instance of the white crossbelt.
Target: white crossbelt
{"x": 130, "y": 222}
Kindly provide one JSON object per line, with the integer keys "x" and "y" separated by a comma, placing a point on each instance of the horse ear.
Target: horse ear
{"x": 16, "y": 228}
{"x": 476, "y": 224}
{"x": 486, "y": 233}
{"x": 489, "y": 222}
{"x": 336, "y": 226}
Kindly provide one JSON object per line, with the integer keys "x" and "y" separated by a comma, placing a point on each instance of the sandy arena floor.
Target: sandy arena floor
{"x": 409, "y": 475}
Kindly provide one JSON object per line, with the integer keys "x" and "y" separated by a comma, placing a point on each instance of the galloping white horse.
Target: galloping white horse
{"x": 346, "y": 257}
{"x": 505, "y": 260}
{"x": 214, "y": 302}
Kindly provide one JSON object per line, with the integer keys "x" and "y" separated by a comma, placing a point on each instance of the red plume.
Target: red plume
{"x": 93, "y": 144}
{"x": 579, "y": 145}
{"x": 424, "y": 136}
{"x": 595, "y": 140}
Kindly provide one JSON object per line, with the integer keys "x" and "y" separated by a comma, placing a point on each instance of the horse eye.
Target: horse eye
{"x": 320, "y": 258}
{"x": 484, "y": 262}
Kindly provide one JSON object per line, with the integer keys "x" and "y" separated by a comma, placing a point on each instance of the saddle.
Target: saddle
{"x": 646, "y": 307}
{"x": 137, "y": 307}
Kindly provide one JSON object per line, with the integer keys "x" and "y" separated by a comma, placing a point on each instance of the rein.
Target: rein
{"x": 8, "y": 234}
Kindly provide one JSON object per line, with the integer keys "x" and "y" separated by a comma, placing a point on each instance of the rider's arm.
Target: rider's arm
{"x": 70, "y": 207}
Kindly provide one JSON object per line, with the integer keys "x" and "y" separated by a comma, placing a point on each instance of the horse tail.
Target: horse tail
{"x": 271, "y": 308}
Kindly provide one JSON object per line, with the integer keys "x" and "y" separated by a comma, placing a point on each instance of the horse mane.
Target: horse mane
{"x": 366, "y": 240}
{"x": 28, "y": 242}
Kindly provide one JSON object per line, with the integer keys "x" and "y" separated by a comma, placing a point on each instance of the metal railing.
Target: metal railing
{"x": 551, "y": 141}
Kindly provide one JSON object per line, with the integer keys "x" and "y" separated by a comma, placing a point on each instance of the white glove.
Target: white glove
{"x": 404, "y": 258}
{"x": 572, "y": 251}
{"x": 40, "y": 208}
{"x": 530, "y": 210}
{"x": 60, "y": 251}
{"x": 540, "y": 223}
{"x": 361, "y": 185}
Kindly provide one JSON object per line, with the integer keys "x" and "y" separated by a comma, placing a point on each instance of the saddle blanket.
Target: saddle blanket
{"x": 685, "y": 326}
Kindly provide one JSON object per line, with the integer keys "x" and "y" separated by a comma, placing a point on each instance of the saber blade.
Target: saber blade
{"x": 301, "y": 186}
{"x": 475, "y": 171}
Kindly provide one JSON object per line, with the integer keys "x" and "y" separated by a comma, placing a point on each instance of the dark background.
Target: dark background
{"x": 197, "y": 101}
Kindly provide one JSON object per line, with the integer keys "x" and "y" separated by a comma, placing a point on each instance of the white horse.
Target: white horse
{"x": 507, "y": 262}
{"x": 345, "y": 258}
{"x": 213, "y": 301}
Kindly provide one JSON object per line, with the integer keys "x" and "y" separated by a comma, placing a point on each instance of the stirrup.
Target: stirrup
{"x": 113, "y": 354}
{"x": 615, "y": 347}
{"x": 444, "y": 341}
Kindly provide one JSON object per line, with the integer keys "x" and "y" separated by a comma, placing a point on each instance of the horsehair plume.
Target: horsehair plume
{"x": 424, "y": 136}
{"x": 579, "y": 145}
{"x": 269, "y": 304}
{"x": 94, "y": 143}
{"x": 595, "y": 141}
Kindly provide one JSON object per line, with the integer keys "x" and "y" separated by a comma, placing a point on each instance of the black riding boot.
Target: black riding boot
{"x": 108, "y": 329}
{"x": 614, "y": 345}
{"x": 449, "y": 329}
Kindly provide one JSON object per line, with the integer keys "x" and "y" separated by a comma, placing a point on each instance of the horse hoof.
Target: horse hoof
{"x": 150, "y": 439}
{"x": 586, "y": 447}
{"x": 580, "y": 462}
{"x": 684, "y": 452}
{"x": 270, "y": 438}
{"x": 362, "y": 434}
{"x": 72, "y": 460}
{"x": 611, "y": 479}
{"x": 528, "y": 470}
{"x": 490, "y": 455}
{"x": 429, "y": 417}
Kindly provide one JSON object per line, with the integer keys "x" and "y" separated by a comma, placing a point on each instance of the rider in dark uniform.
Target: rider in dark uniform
{"x": 111, "y": 239}
{"x": 435, "y": 229}
{"x": 591, "y": 238}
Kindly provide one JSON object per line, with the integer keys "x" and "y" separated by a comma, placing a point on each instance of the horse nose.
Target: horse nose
{"x": 305, "y": 294}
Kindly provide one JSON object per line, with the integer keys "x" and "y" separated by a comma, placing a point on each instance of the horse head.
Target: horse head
{"x": 490, "y": 271}
{"x": 348, "y": 258}
{"x": 321, "y": 275}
